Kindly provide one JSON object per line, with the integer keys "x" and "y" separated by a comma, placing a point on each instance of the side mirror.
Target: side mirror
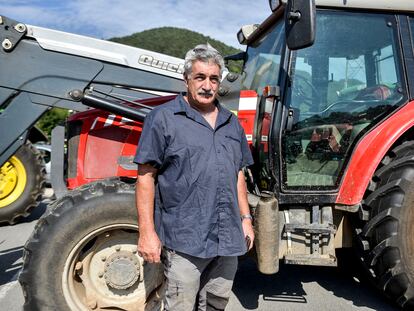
{"x": 300, "y": 23}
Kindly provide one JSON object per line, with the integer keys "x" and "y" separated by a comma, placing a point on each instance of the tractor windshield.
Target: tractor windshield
{"x": 341, "y": 87}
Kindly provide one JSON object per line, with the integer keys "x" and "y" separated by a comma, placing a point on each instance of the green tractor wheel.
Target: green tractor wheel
{"x": 21, "y": 183}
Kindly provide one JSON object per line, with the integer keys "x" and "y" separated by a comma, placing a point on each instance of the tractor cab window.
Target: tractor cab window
{"x": 263, "y": 60}
{"x": 340, "y": 87}
{"x": 412, "y": 28}
{"x": 261, "y": 69}
{"x": 411, "y": 19}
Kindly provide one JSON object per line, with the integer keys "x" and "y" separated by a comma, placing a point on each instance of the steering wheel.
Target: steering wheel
{"x": 301, "y": 92}
{"x": 368, "y": 97}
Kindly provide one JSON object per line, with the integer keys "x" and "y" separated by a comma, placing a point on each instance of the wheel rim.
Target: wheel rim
{"x": 13, "y": 180}
{"x": 103, "y": 271}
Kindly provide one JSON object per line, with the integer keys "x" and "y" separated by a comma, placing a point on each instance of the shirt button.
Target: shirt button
{"x": 218, "y": 151}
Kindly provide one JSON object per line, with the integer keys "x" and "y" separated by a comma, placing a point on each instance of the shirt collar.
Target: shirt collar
{"x": 183, "y": 107}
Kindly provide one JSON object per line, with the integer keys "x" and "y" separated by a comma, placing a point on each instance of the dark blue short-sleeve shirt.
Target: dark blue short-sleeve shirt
{"x": 196, "y": 208}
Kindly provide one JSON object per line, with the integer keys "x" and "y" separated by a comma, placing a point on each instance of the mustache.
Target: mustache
{"x": 205, "y": 93}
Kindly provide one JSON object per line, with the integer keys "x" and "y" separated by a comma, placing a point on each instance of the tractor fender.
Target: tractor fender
{"x": 369, "y": 152}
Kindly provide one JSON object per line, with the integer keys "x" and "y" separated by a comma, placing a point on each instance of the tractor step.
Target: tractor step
{"x": 311, "y": 260}
{"x": 313, "y": 228}
{"x": 320, "y": 232}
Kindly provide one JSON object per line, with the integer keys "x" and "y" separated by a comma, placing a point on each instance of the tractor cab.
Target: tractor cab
{"x": 329, "y": 94}
{"x": 327, "y": 105}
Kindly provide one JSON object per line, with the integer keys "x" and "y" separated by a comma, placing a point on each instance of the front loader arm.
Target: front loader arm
{"x": 42, "y": 68}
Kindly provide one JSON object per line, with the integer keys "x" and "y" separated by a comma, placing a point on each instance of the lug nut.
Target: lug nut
{"x": 103, "y": 258}
{"x": 117, "y": 248}
{"x": 100, "y": 274}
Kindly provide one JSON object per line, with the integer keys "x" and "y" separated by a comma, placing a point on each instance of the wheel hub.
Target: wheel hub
{"x": 8, "y": 179}
{"x": 104, "y": 272}
{"x": 122, "y": 270}
{"x": 13, "y": 180}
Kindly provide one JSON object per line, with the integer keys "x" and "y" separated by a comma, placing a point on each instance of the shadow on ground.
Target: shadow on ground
{"x": 35, "y": 213}
{"x": 10, "y": 258}
{"x": 10, "y": 264}
{"x": 287, "y": 285}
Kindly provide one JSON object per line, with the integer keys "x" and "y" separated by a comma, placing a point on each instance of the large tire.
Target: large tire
{"x": 22, "y": 180}
{"x": 387, "y": 238}
{"x": 83, "y": 254}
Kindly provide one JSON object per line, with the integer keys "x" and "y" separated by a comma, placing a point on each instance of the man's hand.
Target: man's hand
{"x": 248, "y": 231}
{"x": 244, "y": 209}
{"x": 149, "y": 247}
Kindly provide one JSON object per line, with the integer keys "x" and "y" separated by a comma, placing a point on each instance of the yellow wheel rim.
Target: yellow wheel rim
{"x": 13, "y": 180}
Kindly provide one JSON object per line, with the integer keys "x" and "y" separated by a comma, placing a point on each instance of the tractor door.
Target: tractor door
{"x": 264, "y": 66}
{"x": 339, "y": 88}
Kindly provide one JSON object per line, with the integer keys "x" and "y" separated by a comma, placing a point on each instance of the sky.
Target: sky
{"x": 103, "y": 19}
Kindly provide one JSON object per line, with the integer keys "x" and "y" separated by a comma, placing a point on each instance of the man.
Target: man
{"x": 190, "y": 156}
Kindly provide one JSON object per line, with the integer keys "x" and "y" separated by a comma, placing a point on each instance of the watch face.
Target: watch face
{"x": 274, "y": 4}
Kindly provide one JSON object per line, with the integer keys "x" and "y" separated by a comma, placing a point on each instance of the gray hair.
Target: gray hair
{"x": 204, "y": 53}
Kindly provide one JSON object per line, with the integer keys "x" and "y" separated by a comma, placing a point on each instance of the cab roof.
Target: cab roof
{"x": 381, "y": 5}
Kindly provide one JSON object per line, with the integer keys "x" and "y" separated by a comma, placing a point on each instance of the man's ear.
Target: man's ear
{"x": 185, "y": 80}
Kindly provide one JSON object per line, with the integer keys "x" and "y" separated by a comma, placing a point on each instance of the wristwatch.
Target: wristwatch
{"x": 246, "y": 216}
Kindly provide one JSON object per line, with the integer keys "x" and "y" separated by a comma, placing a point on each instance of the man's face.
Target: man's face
{"x": 203, "y": 83}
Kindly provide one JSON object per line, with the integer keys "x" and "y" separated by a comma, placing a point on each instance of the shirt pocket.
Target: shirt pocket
{"x": 185, "y": 156}
{"x": 232, "y": 144}
{"x": 180, "y": 174}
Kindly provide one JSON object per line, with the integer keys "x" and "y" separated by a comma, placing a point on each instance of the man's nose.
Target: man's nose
{"x": 207, "y": 85}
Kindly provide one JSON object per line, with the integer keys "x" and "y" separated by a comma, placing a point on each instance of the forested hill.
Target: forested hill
{"x": 175, "y": 42}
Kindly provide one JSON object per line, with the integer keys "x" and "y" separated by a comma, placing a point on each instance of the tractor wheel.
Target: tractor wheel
{"x": 21, "y": 183}
{"x": 82, "y": 254}
{"x": 387, "y": 238}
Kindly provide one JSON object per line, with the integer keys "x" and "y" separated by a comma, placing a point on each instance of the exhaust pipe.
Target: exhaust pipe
{"x": 266, "y": 227}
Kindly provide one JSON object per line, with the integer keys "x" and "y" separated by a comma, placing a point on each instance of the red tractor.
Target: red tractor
{"x": 326, "y": 99}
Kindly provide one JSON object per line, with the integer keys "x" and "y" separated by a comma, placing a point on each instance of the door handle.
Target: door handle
{"x": 290, "y": 118}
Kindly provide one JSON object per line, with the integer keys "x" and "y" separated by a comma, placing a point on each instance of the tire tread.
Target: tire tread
{"x": 380, "y": 253}
{"x": 46, "y": 224}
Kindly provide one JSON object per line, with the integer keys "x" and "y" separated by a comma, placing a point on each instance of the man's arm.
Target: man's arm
{"x": 244, "y": 208}
{"x": 149, "y": 245}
